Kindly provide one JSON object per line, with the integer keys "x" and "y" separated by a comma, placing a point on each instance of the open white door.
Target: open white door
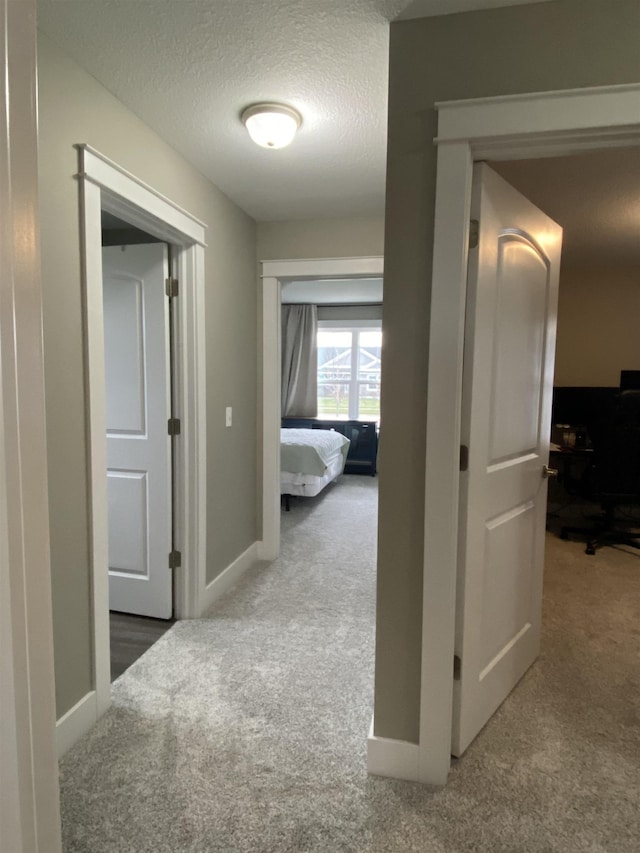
{"x": 506, "y": 420}
{"x": 138, "y": 405}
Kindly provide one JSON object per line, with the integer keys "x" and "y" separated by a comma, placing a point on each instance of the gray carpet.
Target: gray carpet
{"x": 246, "y": 731}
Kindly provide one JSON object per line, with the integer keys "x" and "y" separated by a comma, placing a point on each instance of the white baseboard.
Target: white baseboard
{"x": 228, "y": 577}
{"x": 266, "y": 551}
{"x": 396, "y": 759}
{"x": 76, "y": 722}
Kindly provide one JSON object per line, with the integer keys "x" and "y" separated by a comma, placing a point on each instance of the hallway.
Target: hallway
{"x": 246, "y": 731}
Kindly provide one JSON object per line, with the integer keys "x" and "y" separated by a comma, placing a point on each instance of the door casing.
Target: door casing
{"x": 273, "y": 272}
{"x": 106, "y": 186}
{"x": 29, "y": 791}
{"x": 504, "y": 128}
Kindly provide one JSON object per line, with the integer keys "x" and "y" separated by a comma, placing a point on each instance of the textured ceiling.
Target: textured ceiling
{"x": 187, "y": 68}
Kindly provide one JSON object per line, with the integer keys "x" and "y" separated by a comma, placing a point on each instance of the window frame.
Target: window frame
{"x": 356, "y": 327}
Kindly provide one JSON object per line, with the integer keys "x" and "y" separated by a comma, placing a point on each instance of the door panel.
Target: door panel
{"x": 507, "y": 388}
{"x": 124, "y": 342}
{"x": 509, "y": 540}
{"x": 138, "y": 405}
{"x": 128, "y": 522}
{"x": 521, "y": 289}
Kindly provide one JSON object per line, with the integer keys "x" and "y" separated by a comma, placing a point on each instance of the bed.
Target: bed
{"x": 309, "y": 460}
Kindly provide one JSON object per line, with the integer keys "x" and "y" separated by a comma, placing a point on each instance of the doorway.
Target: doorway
{"x": 105, "y": 187}
{"x": 138, "y": 339}
{"x": 590, "y": 196}
{"x": 528, "y": 126}
{"x": 593, "y": 196}
{"x": 273, "y": 274}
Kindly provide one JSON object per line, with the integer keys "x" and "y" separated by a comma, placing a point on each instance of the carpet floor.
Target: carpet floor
{"x": 246, "y": 730}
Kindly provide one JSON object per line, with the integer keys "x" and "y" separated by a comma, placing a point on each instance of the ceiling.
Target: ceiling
{"x": 594, "y": 196}
{"x": 188, "y": 69}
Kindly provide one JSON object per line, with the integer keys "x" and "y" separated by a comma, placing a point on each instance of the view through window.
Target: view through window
{"x": 349, "y": 373}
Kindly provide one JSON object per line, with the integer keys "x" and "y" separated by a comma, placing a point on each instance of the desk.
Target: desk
{"x": 568, "y": 494}
{"x": 573, "y": 464}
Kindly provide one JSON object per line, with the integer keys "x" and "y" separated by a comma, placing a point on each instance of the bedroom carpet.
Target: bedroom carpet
{"x": 246, "y": 731}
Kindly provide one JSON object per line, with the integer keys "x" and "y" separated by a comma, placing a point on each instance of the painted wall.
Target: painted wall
{"x": 350, "y": 312}
{"x": 561, "y": 45}
{"x": 598, "y": 323}
{"x": 361, "y": 237}
{"x": 75, "y": 108}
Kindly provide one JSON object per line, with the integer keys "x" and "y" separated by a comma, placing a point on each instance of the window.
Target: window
{"x": 349, "y": 371}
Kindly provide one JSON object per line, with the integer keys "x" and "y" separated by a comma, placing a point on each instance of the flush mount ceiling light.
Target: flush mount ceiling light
{"x": 271, "y": 125}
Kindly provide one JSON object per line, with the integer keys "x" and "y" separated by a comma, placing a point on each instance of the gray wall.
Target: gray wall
{"x": 561, "y": 45}
{"x": 357, "y": 237}
{"x": 598, "y": 325}
{"x": 75, "y": 108}
{"x": 350, "y": 312}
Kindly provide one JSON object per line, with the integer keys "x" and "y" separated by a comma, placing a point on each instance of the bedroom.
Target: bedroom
{"x": 331, "y": 357}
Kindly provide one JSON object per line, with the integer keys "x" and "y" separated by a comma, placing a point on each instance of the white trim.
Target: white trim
{"x": 273, "y": 272}
{"x": 548, "y": 113}
{"x": 131, "y": 195}
{"x": 191, "y": 450}
{"x": 396, "y": 759}
{"x": 76, "y": 722}
{"x": 104, "y": 185}
{"x": 229, "y": 576}
{"x": 324, "y": 268}
{"x": 554, "y": 122}
{"x": 29, "y": 795}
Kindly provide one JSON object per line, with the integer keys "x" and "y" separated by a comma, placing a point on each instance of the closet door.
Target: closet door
{"x": 138, "y": 406}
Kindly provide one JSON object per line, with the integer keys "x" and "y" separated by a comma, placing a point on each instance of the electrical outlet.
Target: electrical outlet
{"x": 229, "y": 416}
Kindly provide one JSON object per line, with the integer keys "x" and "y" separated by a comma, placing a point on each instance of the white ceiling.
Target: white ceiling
{"x": 187, "y": 68}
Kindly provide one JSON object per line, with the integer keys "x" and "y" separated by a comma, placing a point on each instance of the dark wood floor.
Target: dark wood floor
{"x": 131, "y": 636}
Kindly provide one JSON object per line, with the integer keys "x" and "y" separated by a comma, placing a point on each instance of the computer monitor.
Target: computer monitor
{"x": 630, "y": 380}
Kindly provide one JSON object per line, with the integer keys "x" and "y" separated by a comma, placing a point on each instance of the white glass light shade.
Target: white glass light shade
{"x": 271, "y": 125}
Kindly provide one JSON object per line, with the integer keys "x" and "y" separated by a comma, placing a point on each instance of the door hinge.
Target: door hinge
{"x": 464, "y": 457}
{"x": 474, "y": 233}
{"x": 171, "y": 287}
{"x": 175, "y": 559}
{"x": 457, "y": 667}
{"x": 173, "y": 426}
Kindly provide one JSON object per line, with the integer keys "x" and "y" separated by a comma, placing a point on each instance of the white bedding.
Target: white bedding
{"x": 310, "y": 459}
{"x": 309, "y": 451}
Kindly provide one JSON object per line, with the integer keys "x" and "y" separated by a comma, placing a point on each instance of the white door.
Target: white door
{"x": 138, "y": 406}
{"x": 506, "y": 419}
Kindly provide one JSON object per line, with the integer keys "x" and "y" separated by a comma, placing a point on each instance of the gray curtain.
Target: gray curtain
{"x": 299, "y": 361}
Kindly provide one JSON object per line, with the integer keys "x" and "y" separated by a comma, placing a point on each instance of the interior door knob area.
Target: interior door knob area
{"x": 549, "y": 472}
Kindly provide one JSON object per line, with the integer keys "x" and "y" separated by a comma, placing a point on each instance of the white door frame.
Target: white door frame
{"x": 503, "y": 128}
{"x": 273, "y": 272}
{"x": 29, "y": 800}
{"x": 106, "y": 186}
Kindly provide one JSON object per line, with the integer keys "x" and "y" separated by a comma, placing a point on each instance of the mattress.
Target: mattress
{"x": 310, "y": 459}
{"x": 310, "y": 451}
{"x": 310, "y": 485}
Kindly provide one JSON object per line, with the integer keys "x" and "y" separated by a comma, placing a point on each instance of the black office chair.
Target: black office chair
{"x": 615, "y": 477}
